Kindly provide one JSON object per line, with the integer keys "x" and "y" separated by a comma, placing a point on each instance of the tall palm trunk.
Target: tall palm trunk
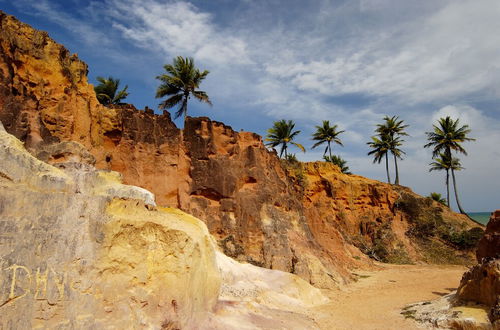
{"x": 387, "y": 168}
{"x": 456, "y": 193}
{"x": 448, "y": 187}
{"x": 397, "y": 172}
{"x": 330, "y": 150}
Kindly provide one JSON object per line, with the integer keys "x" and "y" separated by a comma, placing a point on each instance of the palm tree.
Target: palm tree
{"x": 282, "y": 133}
{"x": 437, "y": 197}
{"x": 393, "y": 128}
{"x": 179, "y": 83}
{"x": 339, "y": 161}
{"x": 381, "y": 146}
{"x": 328, "y": 134}
{"x": 445, "y": 137}
{"x": 107, "y": 91}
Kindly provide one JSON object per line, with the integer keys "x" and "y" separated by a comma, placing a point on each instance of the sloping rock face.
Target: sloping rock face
{"x": 250, "y": 202}
{"x": 389, "y": 223}
{"x": 80, "y": 250}
{"x": 481, "y": 284}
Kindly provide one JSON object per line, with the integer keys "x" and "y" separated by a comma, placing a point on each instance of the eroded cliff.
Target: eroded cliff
{"x": 255, "y": 206}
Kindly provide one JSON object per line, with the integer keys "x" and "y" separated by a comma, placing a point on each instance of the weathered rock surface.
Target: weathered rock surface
{"x": 444, "y": 313}
{"x": 80, "y": 250}
{"x": 229, "y": 180}
{"x": 481, "y": 284}
{"x": 389, "y": 223}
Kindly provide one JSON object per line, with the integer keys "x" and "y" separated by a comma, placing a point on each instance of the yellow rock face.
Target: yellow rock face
{"x": 78, "y": 249}
{"x": 156, "y": 265}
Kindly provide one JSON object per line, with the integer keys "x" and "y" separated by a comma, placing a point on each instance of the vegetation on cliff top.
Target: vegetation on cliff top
{"x": 107, "y": 91}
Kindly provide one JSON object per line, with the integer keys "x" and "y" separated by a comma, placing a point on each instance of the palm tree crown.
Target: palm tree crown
{"x": 107, "y": 91}
{"x": 444, "y": 162}
{"x": 282, "y": 133}
{"x": 392, "y": 126}
{"x": 180, "y": 82}
{"x": 328, "y": 134}
{"x": 448, "y": 136}
{"x": 391, "y": 130}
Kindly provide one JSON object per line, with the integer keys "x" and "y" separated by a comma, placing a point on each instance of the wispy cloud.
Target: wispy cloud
{"x": 176, "y": 28}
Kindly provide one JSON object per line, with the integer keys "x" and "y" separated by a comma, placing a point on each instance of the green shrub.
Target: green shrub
{"x": 465, "y": 239}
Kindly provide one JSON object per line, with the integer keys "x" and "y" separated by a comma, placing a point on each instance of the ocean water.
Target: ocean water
{"x": 481, "y": 217}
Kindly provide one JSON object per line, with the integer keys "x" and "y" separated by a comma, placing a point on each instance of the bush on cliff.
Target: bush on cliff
{"x": 107, "y": 91}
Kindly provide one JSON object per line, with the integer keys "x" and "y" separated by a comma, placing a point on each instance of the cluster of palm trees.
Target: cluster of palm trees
{"x": 182, "y": 80}
{"x": 282, "y": 134}
{"x": 388, "y": 140}
{"x": 447, "y": 137}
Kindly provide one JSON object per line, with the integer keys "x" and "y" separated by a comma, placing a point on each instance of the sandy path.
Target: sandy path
{"x": 375, "y": 302}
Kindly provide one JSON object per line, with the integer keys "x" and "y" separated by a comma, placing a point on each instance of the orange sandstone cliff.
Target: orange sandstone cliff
{"x": 308, "y": 219}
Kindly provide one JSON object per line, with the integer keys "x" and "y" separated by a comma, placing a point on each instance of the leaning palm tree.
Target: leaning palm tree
{"x": 339, "y": 161}
{"x": 107, "y": 91}
{"x": 180, "y": 82}
{"x": 446, "y": 137}
{"x": 393, "y": 128}
{"x": 381, "y": 146}
{"x": 282, "y": 133}
{"x": 328, "y": 134}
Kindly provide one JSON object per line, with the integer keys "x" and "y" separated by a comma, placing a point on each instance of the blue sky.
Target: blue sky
{"x": 350, "y": 62}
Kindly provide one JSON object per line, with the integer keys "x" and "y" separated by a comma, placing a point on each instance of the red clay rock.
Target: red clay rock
{"x": 489, "y": 245}
{"x": 253, "y": 205}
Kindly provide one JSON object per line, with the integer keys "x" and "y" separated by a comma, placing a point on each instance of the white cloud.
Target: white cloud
{"x": 176, "y": 28}
{"x": 451, "y": 53}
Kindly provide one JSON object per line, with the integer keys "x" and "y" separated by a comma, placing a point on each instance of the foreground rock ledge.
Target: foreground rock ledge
{"x": 75, "y": 254}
